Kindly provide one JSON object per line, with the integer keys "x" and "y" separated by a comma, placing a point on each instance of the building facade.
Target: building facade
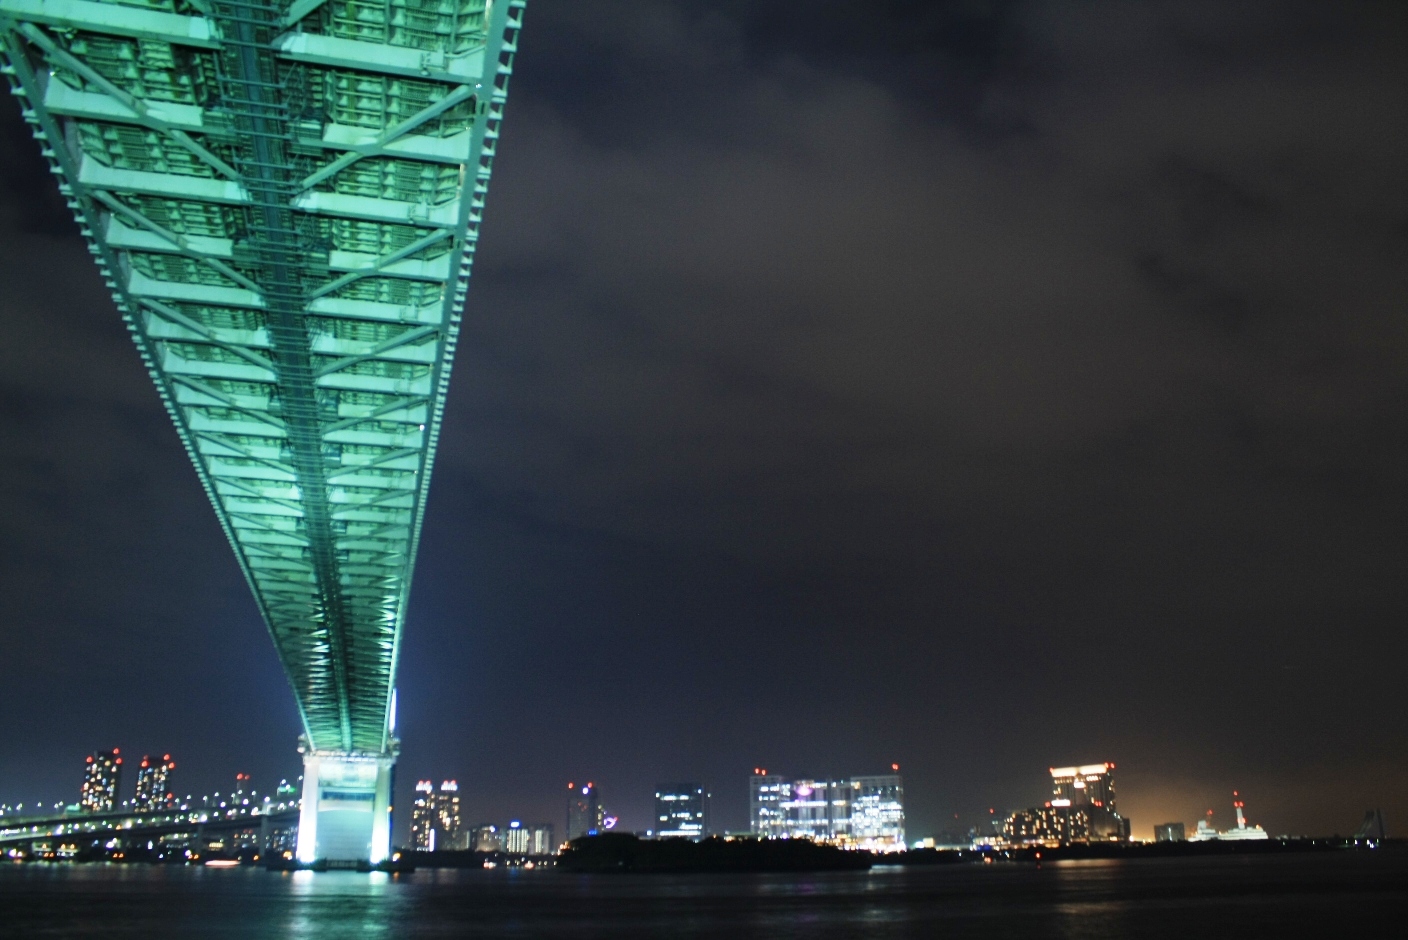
{"x": 877, "y": 811}
{"x": 540, "y": 839}
{"x": 1088, "y": 784}
{"x": 154, "y": 783}
{"x": 435, "y": 817}
{"x": 102, "y": 778}
{"x": 765, "y": 796}
{"x": 1170, "y": 832}
{"x": 859, "y": 812}
{"x": 1082, "y": 809}
{"x": 486, "y": 837}
{"x": 520, "y": 838}
{"x": 585, "y": 816}
{"x": 681, "y": 811}
{"x": 516, "y": 838}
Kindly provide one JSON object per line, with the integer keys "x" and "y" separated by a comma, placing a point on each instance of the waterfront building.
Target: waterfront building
{"x": 681, "y": 811}
{"x": 585, "y": 816}
{"x": 423, "y": 817}
{"x": 860, "y": 812}
{"x": 765, "y": 795}
{"x": 435, "y": 817}
{"x": 515, "y": 838}
{"x": 540, "y": 840}
{"x": 1170, "y": 832}
{"x": 102, "y": 775}
{"x": 154, "y": 783}
{"x": 1087, "y": 793}
{"x": 524, "y": 839}
{"x": 816, "y": 810}
{"x": 877, "y": 812}
{"x": 447, "y": 815}
{"x": 1081, "y": 810}
{"x": 485, "y": 837}
{"x": 1088, "y": 784}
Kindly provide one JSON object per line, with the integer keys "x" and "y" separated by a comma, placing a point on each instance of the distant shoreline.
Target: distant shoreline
{"x": 624, "y": 853}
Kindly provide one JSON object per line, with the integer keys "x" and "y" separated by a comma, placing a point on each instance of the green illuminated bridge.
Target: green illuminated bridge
{"x": 284, "y": 197}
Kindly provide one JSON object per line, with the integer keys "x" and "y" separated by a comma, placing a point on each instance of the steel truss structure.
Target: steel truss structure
{"x": 284, "y": 197}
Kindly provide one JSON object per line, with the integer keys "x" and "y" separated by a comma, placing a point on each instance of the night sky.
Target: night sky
{"x": 974, "y": 386}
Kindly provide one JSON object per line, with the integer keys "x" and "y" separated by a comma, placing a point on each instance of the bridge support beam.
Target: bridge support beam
{"x": 346, "y": 813}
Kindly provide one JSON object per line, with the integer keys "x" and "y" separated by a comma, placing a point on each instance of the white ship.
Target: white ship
{"x": 1206, "y": 833}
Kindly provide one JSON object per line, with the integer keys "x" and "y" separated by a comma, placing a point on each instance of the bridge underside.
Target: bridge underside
{"x": 284, "y": 197}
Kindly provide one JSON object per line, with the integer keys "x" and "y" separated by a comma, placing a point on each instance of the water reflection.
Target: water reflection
{"x": 1295, "y": 896}
{"x": 339, "y": 904}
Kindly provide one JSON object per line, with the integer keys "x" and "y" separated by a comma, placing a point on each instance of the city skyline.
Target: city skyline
{"x": 834, "y": 391}
{"x": 864, "y": 820}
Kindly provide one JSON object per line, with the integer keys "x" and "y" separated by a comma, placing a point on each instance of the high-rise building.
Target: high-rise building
{"x": 585, "y": 817}
{"x": 516, "y": 838}
{"x": 540, "y": 840}
{"x": 1170, "y": 832}
{"x": 423, "y": 817}
{"x": 866, "y": 812}
{"x": 154, "y": 783}
{"x": 1081, "y": 809}
{"x": 447, "y": 816}
{"x": 435, "y": 818}
{"x": 1088, "y": 784}
{"x": 807, "y": 811}
{"x": 877, "y": 811}
{"x": 102, "y": 776}
{"x": 681, "y": 811}
{"x": 765, "y": 795}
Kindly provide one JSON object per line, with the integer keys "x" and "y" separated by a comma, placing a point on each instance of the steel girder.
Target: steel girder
{"x": 285, "y": 198}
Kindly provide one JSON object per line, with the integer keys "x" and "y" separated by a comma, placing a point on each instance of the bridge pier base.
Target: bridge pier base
{"x": 346, "y": 813}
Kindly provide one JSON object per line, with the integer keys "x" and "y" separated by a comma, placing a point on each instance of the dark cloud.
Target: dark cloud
{"x": 972, "y": 385}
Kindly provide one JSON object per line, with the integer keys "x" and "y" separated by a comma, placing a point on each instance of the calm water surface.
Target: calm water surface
{"x": 1340, "y": 895}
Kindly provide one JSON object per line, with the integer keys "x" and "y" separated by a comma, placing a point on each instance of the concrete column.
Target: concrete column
{"x": 346, "y": 813}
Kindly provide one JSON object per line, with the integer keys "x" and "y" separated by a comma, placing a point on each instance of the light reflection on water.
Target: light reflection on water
{"x": 1289, "y": 896}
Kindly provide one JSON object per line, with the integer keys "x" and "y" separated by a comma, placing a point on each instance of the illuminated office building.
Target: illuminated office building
{"x": 1088, "y": 792}
{"x": 585, "y": 816}
{"x": 154, "y": 783}
{"x": 681, "y": 811}
{"x": 877, "y": 811}
{"x": 486, "y": 838}
{"x": 1081, "y": 809}
{"x": 765, "y": 795}
{"x": 540, "y": 840}
{"x": 808, "y": 811}
{"x": 1089, "y": 784}
{"x": 435, "y": 818}
{"x": 102, "y": 775}
{"x": 520, "y": 839}
{"x": 517, "y": 839}
{"x": 862, "y": 812}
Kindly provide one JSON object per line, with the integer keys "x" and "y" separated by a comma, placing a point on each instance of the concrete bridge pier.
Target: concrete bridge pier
{"x": 346, "y": 813}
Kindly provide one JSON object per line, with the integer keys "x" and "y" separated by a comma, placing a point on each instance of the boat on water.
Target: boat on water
{"x": 1206, "y": 833}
